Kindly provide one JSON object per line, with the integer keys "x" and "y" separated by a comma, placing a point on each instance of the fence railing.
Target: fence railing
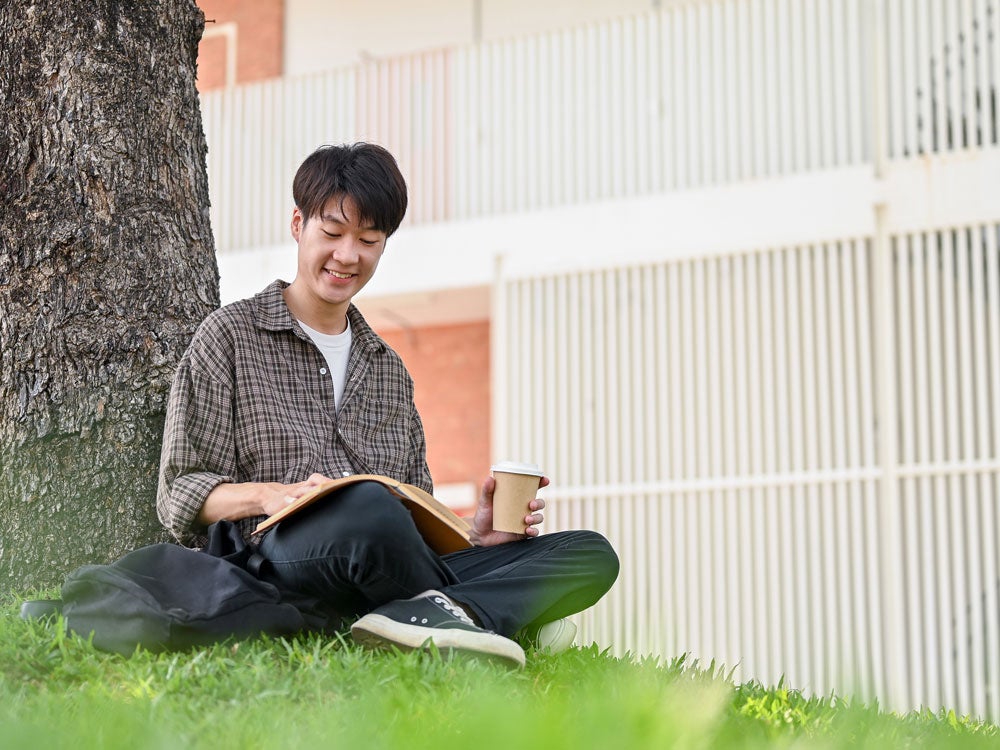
{"x": 696, "y": 94}
{"x": 721, "y": 420}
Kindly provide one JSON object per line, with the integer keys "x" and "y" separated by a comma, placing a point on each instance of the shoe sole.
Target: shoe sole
{"x": 379, "y": 631}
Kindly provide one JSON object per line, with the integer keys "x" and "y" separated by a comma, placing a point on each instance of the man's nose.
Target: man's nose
{"x": 346, "y": 251}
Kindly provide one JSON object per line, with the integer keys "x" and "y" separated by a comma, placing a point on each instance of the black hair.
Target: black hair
{"x": 364, "y": 172}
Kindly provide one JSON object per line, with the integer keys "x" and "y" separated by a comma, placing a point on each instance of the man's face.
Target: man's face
{"x": 337, "y": 255}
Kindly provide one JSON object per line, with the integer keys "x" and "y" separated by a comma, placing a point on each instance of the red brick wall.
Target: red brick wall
{"x": 450, "y": 366}
{"x": 260, "y": 34}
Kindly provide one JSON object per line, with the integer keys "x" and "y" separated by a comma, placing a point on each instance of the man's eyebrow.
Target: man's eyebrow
{"x": 338, "y": 219}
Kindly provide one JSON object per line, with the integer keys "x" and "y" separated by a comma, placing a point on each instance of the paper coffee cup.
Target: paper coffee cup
{"x": 517, "y": 485}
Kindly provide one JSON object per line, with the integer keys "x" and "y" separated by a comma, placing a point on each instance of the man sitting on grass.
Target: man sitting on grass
{"x": 282, "y": 392}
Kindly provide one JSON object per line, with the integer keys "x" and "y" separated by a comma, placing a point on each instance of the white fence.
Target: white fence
{"x": 722, "y": 416}
{"x": 796, "y": 448}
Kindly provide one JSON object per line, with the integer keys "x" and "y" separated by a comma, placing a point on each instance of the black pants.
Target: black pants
{"x": 359, "y": 549}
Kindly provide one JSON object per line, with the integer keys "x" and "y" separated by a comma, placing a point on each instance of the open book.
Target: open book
{"x": 443, "y": 531}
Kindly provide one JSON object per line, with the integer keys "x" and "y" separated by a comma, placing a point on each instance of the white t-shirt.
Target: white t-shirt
{"x": 336, "y": 349}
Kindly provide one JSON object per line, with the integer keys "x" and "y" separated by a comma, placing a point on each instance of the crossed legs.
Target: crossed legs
{"x": 360, "y": 549}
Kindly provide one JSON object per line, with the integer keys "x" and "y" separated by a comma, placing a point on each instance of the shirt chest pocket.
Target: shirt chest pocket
{"x": 281, "y": 435}
{"x": 378, "y": 431}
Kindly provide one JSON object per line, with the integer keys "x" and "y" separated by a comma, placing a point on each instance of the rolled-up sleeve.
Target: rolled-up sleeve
{"x": 198, "y": 452}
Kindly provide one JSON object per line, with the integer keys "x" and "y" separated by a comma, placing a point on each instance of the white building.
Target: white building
{"x": 738, "y": 262}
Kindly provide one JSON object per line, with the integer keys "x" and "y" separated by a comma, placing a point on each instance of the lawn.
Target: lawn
{"x": 56, "y": 691}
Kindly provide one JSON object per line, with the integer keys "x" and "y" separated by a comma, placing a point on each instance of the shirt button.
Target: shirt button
{"x": 345, "y": 473}
{"x": 322, "y": 371}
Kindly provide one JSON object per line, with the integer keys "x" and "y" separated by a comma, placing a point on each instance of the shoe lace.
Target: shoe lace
{"x": 454, "y": 609}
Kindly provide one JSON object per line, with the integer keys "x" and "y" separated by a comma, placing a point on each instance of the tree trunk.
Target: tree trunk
{"x": 107, "y": 265}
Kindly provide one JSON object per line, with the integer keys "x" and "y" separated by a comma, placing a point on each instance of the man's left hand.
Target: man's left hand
{"x": 483, "y": 533}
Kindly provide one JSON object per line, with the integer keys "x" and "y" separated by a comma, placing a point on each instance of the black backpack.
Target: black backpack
{"x": 165, "y": 597}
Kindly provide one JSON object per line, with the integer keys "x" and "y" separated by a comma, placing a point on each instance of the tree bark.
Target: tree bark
{"x": 107, "y": 265}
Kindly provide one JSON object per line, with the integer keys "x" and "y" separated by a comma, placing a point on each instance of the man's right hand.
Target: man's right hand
{"x": 233, "y": 501}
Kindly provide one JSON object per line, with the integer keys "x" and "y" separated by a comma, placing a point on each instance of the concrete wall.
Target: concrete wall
{"x": 323, "y": 34}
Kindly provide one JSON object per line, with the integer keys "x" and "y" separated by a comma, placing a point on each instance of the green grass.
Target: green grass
{"x": 56, "y": 691}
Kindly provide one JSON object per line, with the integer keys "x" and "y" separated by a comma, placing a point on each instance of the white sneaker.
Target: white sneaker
{"x": 432, "y": 618}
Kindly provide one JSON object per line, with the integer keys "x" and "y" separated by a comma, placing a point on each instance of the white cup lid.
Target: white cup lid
{"x": 516, "y": 467}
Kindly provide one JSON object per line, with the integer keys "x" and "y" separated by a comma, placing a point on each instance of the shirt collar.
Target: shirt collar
{"x": 273, "y": 315}
{"x": 272, "y": 312}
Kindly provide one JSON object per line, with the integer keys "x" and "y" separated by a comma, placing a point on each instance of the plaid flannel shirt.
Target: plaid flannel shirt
{"x": 252, "y": 401}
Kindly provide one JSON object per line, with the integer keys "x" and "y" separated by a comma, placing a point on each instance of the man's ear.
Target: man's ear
{"x": 298, "y": 222}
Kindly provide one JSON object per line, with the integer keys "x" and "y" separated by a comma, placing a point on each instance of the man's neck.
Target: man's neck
{"x": 318, "y": 315}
